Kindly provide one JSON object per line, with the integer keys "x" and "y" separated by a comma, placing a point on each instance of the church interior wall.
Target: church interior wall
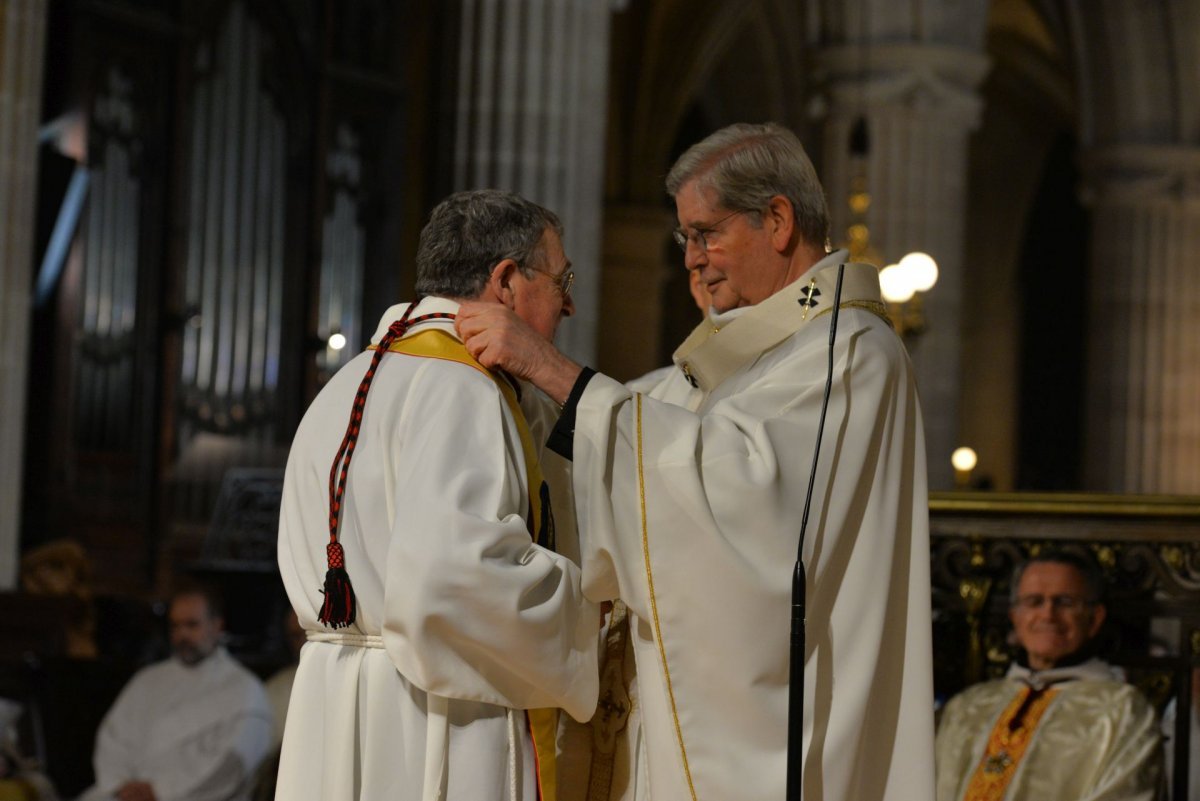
{"x": 660, "y": 99}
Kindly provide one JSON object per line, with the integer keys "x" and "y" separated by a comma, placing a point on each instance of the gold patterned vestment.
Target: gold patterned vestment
{"x": 1066, "y": 734}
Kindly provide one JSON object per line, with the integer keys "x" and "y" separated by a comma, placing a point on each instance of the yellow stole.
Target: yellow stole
{"x": 1008, "y": 742}
{"x": 437, "y": 344}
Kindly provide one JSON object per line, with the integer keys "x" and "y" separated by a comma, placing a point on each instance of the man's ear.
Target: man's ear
{"x": 500, "y": 283}
{"x": 780, "y": 218}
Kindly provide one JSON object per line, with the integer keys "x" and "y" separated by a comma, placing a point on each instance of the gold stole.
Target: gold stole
{"x": 1007, "y": 744}
{"x": 437, "y": 344}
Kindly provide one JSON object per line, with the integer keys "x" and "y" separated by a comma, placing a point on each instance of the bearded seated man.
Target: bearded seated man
{"x": 194, "y": 726}
{"x": 1062, "y": 724}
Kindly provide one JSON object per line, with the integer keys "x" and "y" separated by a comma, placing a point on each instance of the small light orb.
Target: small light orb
{"x": 964, "y": 459}
{"x": 922, "y": 270}
{"x": 895, "y": 284}
{"x": 336, "y": 341}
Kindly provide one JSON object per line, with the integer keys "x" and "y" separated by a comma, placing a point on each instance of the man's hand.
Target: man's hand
{"x": 498, "y": 338}
{"x": 135, "y": 791}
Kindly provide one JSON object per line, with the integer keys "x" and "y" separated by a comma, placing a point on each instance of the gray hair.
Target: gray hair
{"x": 1085, "y": 566}
{"x": 187, "y": 585}
{"x": 469, "y": 233}
{"x": 747, "y": 165}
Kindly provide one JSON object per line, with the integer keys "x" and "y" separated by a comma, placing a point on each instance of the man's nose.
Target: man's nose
{"x": 694, "y": 256}
{"x": 568, "y": 307}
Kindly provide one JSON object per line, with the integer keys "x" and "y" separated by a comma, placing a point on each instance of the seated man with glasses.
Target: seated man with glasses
{"x": 1062, "y": 724}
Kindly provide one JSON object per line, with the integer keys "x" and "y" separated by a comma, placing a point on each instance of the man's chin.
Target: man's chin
{"x": 190, "y": 656}
{"x": 722, "y": 301}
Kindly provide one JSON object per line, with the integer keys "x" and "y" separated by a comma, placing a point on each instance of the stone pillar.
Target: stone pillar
{"x": 1143, "y": 391}
{"x": 530, "y": 117}
{"x": 920, "y": 104}
{"x": 634, "y": 291}
{"x": 22, "y": 39}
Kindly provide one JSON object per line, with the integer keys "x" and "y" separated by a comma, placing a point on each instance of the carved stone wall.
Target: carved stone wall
{"x": 22, "y": 40}
{"x": 529, "y": 117}
{"x": 1143, "y": 398}
{"x": 913, "y": 79}
{"x": 1138, "y": 72}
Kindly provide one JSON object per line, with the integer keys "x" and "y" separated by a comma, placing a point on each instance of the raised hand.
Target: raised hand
{"x": 499, "y": 339}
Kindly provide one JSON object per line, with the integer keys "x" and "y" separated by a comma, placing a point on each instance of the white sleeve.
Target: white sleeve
{"x": 223, "y": 762}
{"x": 117, "y": 742}
{"x": 474, "y": 610}
{"x": 1133, "y": 768}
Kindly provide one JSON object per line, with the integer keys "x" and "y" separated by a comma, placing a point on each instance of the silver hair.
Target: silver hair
{"x": 1089, "y": 571}
{"x": 747, "y": 165}
{"x": 470, "y": 232}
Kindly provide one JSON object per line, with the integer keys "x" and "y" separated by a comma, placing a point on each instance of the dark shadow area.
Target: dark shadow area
{"x": 1052, "y": 304}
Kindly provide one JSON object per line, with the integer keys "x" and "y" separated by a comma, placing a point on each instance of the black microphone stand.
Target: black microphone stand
{"x": 795, "y": 752}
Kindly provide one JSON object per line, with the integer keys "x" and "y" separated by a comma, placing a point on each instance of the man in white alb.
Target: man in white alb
{"x": 192, "y": 728}
{"x": 447, "y": 627}
{"x": 690, "y": 497}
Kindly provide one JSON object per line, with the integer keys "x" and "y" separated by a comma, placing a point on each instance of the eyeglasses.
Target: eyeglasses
{"x": 699, "y": 237}
{"x": 565, "y": 279}
{"x": 1059, "y": 603}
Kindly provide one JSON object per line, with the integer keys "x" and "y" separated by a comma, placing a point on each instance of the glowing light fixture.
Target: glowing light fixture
{"x": 921, "y": 270}
{"x": 894, "y": 284}
{"x": 964, "y": 458}
{"x": 964, "y": 461}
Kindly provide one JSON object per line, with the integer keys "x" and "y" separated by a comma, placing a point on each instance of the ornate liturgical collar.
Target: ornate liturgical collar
{"x": 710, "y": 354}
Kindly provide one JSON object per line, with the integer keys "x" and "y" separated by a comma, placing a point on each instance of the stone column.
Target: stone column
{"x": 920, "y": 105}
{"x": 634, "y": 290}
{"x": 22, "y": 40}
{"x": 530, "y": 117}
{"x": 1143, "y": 391}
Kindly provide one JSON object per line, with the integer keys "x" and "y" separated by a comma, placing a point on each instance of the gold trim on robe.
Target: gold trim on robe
{"x": 1007, "y": 744}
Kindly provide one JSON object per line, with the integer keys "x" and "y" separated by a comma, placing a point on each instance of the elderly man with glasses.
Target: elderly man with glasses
{"x": 1062, "y": 724}
{"x": 419, "y": 548}
{"x": 690, "y": 496}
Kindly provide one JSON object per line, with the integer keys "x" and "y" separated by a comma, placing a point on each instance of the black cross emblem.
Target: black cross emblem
{"x": 810, "y": 293}
{"x": 687, "y": 373}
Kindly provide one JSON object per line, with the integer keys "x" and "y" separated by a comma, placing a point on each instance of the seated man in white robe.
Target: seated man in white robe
{"x": 1062, "y": 724}
{"x": 192, "y": 728}
{"x": 690, "y": 498}
{"x": 449, "y": 628}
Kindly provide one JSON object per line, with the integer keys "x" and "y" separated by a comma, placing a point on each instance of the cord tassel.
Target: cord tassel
{"x": 339, "y": 608}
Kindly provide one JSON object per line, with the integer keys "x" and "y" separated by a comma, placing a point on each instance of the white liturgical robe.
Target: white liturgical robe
{"x": 689, "y": 503}
{"x": 193, "y": 732}
{"x": 1096, "y": 740}
{"x": 462, "y": 619}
